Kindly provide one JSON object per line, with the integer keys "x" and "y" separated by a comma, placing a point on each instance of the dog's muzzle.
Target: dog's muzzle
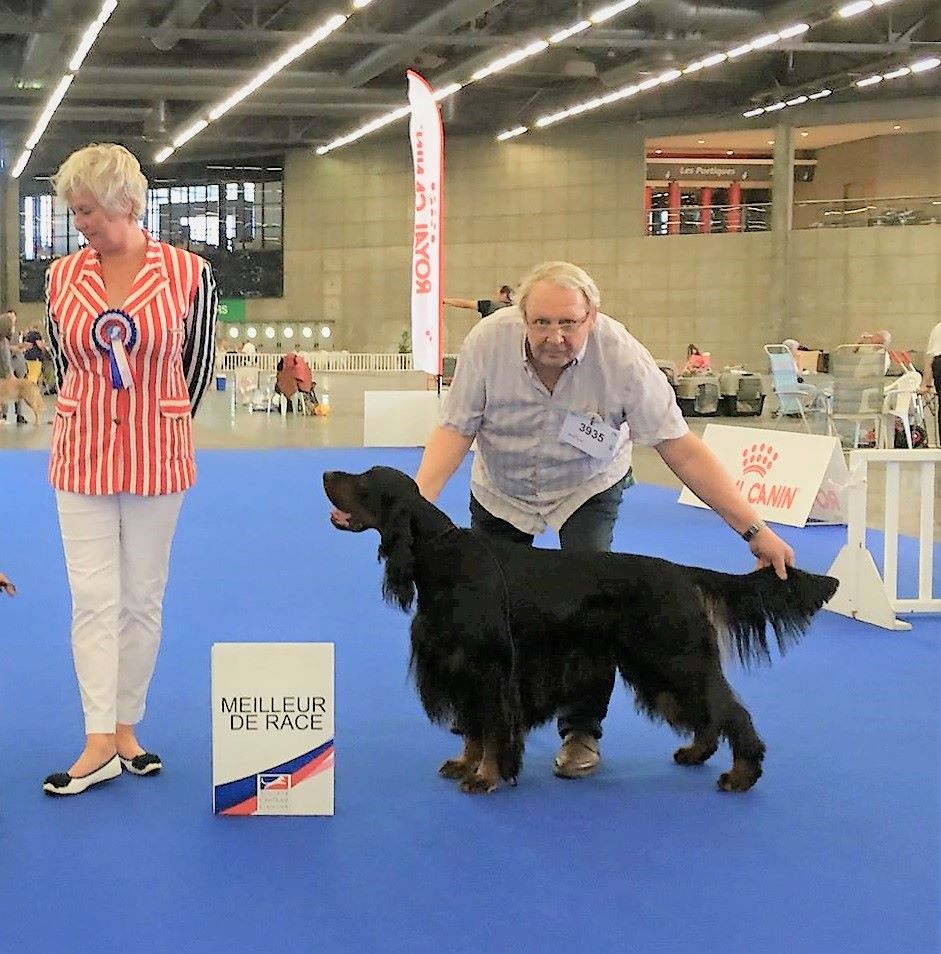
{"x": 352, "y": 526}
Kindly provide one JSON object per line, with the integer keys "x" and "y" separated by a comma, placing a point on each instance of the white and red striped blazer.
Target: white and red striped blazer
{"x": 108, "y": 440}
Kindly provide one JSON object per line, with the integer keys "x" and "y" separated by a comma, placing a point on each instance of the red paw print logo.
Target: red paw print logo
{"x": 758, "y": 459}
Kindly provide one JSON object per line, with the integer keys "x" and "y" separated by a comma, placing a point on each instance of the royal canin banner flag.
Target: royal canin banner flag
{"x": 427, "y": 140}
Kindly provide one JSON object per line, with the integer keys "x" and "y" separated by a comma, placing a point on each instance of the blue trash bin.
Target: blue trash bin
{"x": 220, "y": 382}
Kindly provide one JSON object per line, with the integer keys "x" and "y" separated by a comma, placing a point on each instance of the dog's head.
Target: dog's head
{"x": 382, "y": 499}
{"x": 369, "y": 498}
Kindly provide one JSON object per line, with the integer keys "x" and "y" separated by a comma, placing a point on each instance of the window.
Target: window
{"x": 231, "y": 215}
{"x": 184, "y": 214}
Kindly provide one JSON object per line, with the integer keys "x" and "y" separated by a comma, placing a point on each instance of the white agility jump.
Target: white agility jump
{"x": 863, "y": 594}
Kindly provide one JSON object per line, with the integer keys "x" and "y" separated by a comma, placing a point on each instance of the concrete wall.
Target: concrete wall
{"x": 880, "y": 167}
{"x": 575, "y": 195}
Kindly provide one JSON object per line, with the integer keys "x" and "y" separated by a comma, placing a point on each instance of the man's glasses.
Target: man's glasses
{"x": 566, "y": 326}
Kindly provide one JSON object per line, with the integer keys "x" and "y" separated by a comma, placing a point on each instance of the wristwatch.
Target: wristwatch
{"x": 752, "y": 531}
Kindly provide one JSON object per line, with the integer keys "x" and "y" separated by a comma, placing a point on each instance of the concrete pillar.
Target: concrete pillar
{"x": 733, "y": 218}
{"x": 782, "y": 212}
{"x": 9, "y": 241}
{"x": 705, "y": 209}
{"x": 674, "y": 201}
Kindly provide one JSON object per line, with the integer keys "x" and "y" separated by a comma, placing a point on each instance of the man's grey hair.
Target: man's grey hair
{"x": 563, "y": 275}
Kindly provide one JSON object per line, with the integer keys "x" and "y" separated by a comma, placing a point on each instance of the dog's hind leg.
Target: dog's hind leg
{"x": 466, "y": 763}
{"x": 748, "y": 751}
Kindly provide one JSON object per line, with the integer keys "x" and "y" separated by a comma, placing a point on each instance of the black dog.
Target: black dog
{"x": 505, "y": 635}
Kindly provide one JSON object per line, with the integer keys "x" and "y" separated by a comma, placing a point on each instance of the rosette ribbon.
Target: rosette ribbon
{"x": 115, "y": 334}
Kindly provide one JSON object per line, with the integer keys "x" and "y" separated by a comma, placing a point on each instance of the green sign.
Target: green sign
{"x": 231, "y": 309}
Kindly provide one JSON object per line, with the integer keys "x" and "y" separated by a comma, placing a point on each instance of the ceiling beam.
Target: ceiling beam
{"x": 82, "y": 114}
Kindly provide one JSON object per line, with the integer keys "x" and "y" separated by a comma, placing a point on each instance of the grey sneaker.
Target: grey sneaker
{"x": 578, "y": 756}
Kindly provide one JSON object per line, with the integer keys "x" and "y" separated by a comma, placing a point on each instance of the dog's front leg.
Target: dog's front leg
{"x": 466, "y": 763}
{"x": 487, "y": 777}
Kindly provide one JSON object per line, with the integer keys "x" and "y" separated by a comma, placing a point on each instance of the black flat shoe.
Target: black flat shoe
{"x": 144, "y": 764}
{"x": 61, "y": 783}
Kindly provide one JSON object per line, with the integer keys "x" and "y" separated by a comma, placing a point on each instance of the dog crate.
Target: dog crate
{"x": 698, "y": 395}
{"x": 741, "y": 394}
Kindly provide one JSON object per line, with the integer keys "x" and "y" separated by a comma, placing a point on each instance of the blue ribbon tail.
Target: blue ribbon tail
{"x": 115, "y": 373}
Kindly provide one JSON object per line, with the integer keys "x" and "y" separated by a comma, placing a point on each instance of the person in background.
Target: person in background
{"x": 883, "y": 339}
{"x": 793, "y": 345}
{"x": 294, "y": 375}
{"x": 536, "y": 385}
{"x": 486, "y": 306}
{"x": 696, "y": 360}
{"x": 33, "y": 353}
{"x": 12, "y": 362}
{"x": 130, "y": 322}
{"x": 931, "y": 371}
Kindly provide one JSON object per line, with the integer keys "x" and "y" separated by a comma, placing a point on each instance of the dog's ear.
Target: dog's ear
{"x": 398, "y": 584}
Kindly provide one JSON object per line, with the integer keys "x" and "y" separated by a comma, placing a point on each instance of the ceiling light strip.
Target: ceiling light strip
{"x": 765, "y": 41}
{"x": 58, "y": 94}
{"x": 919, "y": 66}
{"x": 292, "y": 53}
{"x": 859, "y": 6}
{"x": 761, "y": 42}
{"x": 531, "y": 49}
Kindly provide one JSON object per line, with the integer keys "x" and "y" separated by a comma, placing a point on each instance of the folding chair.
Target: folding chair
{"x": 858, "y": 372}
{"x": 794, "y": 398}
{"x": 902, "y": 402}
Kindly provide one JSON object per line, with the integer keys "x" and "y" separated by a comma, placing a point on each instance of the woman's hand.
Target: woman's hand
{"x": 6, "y": 586}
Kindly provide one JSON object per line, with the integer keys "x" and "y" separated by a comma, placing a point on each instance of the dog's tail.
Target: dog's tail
{"x": 742, "y": 605}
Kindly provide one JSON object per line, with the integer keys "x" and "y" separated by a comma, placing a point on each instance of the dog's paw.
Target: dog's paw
{"x": 693, "y": 754}
{"x": 740, "y": 779}
{"x": 456, "y": 769}
{"x": 479, "y": 785}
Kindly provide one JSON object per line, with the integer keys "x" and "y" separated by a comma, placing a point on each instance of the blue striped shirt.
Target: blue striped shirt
{"x": 522, "y": 472}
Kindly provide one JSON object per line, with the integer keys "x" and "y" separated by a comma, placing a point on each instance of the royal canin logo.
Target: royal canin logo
{"x": 758, "y": 459}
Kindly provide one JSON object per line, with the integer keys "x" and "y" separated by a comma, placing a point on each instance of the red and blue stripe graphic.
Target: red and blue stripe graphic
{"x": 240, "y": 797}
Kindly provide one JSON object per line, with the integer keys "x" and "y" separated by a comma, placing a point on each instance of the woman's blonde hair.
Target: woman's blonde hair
{"x": 562, "y": 275}
{"x": 110, "y": 173}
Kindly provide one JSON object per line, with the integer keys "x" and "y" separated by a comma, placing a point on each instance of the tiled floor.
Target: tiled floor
{"x": 219, "y": 425}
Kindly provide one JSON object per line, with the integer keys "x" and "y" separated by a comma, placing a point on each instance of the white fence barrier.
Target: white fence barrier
{"x": 339, "y": 361}
{"x": 863, "y": 594}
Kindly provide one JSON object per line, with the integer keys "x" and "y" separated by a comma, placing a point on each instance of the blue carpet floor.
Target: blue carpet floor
{"x": 836, "y": 850}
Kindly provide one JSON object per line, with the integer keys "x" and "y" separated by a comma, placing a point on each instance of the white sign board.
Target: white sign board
{"x": 399, "y": 418}
{"x": 272, "y": 728}
{"x": 787, "y": 477}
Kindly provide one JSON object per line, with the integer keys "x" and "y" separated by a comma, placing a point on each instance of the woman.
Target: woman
{"x": 33, "y": 353}
{"x": 294, "y": 375}
{"x": 696, "y": 360}
{"x": 12, "y": 362}
{"x": 130, "y": 324}
{"x": 931, "y": 372}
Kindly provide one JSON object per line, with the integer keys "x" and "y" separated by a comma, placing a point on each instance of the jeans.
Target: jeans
{"x": 589, "y": 530}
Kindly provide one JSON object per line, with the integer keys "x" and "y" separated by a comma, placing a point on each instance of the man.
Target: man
{"x": 486, "y": 306}
{"x": 882, "y": 339}
{"x": 555, "y": 392}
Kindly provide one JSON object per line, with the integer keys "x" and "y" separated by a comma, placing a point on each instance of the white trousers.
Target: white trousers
{"x": 117, "y": 553}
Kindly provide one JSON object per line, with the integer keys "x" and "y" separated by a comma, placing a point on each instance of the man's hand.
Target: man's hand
{"x": 6, "y": 586}
{"x": 771, "y": 550}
